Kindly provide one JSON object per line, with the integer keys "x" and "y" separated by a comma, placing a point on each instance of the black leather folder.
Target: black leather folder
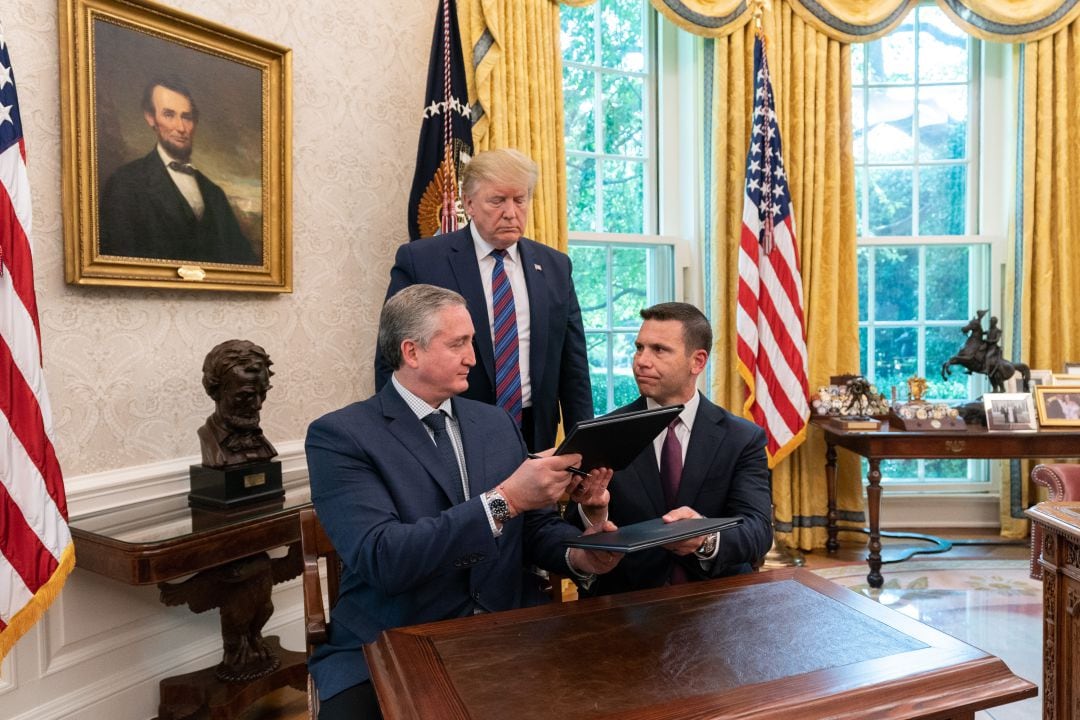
{"x": 650, "y": 533}
{"x": 615, "y": 440}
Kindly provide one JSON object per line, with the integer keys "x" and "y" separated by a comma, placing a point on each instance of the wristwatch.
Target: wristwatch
{"x": 497, "y": 506}
{"x": 708, "y": 547}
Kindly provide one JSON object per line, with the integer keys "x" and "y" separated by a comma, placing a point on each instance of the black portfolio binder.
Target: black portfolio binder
{"x": 650, "y": 533}
{"x": 615, "y": 440}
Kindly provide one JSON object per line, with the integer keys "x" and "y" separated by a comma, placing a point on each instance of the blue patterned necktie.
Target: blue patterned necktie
{"x": 507, "y": 371}
{"x": 437, "y": 422}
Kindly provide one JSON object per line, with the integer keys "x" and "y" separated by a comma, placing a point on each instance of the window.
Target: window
{"x": 923, "y": 269}
{"x": 620, "y": 265}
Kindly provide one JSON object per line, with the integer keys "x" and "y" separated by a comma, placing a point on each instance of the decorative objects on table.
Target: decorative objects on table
{"x": 851, "y": 401}
{"x": 237, "y": 466}
{"x": 1010, "y": 411}
{"x": 981, "y": 353}
{"x": 1059, "y": 406}
{"x": 176, "y": 155}
{"x": 920, "y": 414}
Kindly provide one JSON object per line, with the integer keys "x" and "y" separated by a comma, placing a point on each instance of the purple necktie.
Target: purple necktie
{"x": 507, "y": 372}
{"x": 671, "y": 465}
{"x": 670, "y": 476}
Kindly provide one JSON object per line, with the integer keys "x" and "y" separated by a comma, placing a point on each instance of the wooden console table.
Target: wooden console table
{"x": 785, "y": 643}
{"x": 1060, "y": 560}
{"x": 974, "y": 443}
{"x": 155, "y": 542}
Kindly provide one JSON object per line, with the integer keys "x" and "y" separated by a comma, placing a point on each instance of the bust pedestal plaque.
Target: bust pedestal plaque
{"x": 235, "y": 485}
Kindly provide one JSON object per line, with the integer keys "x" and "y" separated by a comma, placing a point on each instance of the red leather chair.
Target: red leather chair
{"x": 1062, "y": 481}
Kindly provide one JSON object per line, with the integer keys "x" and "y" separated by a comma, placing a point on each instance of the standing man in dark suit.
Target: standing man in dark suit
{"x": 428, "y": 498}
{"x": 161, "y": 206}
{"x": 541, "y": 366}
{"x": 707, "y": 463}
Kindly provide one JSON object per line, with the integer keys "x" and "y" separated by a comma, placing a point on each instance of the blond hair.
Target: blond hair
{"x": 503, "y": 165}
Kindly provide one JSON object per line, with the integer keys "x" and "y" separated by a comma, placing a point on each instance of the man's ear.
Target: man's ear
{"x": 149, "y": 119}
{"x": 408, "y": 353}
{"x": 698, "y": 360}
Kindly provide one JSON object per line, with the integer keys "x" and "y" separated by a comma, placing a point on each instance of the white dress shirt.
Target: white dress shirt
{"x": 185, "y": 183}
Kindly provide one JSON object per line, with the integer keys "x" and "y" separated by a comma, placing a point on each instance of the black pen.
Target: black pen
{"x": 572, "y": 470}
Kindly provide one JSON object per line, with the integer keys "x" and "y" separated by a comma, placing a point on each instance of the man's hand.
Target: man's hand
{"x": 596, "y": 562}
{"x": 684, "y": 547}
{"x": 592, "y": 495}
{"x": 539, "y": 482}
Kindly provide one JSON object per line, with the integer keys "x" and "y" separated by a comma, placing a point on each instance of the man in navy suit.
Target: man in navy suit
{"x": 161, "y": 206}
{"x": 497, "y": 187}
{"x": 428, "y": 498}
{"x": 719, "y": 462}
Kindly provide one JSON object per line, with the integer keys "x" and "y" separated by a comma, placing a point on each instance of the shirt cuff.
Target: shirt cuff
{"x": 585, "y": 518}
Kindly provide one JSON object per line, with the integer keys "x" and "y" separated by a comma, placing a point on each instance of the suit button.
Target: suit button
{"x": 457, "y": 563}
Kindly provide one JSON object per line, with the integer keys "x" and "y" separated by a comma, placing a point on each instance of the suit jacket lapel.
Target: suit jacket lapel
{"x": 471, "y": 433}
{"x": 467, "y": 273}
{"x": 538, "y": 309}
{"x": 645, "y": 470}
{"x": 705, "y": 438}
{"x": 407, "y": 428}
{"x": 163, "y": 188}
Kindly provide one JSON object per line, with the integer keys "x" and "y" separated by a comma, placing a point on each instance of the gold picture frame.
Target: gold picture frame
{"x": 1058, "y": 405}
{"x": 137, "y": 80}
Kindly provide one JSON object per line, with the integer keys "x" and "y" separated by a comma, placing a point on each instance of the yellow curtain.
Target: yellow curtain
{"x": 1049, "y": 255}
{"x": 514, "y": 72}
{"x": 811, "y": 81}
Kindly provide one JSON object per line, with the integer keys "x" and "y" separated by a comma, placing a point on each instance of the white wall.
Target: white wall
{"x": 123, "y": 366}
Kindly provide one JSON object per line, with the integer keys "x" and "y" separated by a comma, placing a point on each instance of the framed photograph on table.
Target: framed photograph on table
{"x": 1072, "y": 368}
{"x": 1010, "y": 412}
{"x": 176, "y": 150}
{"x": 1059, "y": 406}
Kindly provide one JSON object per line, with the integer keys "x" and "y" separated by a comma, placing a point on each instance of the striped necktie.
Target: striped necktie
{"x": 507, "y": 372}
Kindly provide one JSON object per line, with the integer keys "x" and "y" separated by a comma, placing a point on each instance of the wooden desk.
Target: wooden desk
{"x": 1060, "y": 560}
{"x": 785, "y": 643}
{"x": 975, "y": 443}
{"x": 157, "y": 541}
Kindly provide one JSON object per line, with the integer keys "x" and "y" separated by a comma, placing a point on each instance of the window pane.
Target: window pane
{"x": 947, "y": 282}
{"x": 629, "y": 285}
{"x": 897, "y": 470}
{"x": 943, "y": 122}
{"x": 895, "y": 359}
{"x": 943, "y": 200}
{"x": 896, "y": 271}
{"x": 581, "y": 192}
{"x": 858, "y": 56}
{"x": 863, "y": 259}
{"x": 623, "y": 113}
{"x": 891, "y": 118}
{"x": 621, "y": 34}
{"x": 860, "y": 200}
{"x": 864, "y": 352}
{"x": 576, "y": 38}
{"x": 624, "y": 196}
{"x": 858, "y": 122}
{"x": 946, "y": 470}
{"x": 622, "y": 369}
{"x": 943, "y": 48}
{"x": 890, "y": 201}
{"x": 596, "y": 345}
{"x": 941, "y": 344}
{"x": 580, "y": 107}
{"x": 892, "y": 59}
{"x": 590, "y": 283}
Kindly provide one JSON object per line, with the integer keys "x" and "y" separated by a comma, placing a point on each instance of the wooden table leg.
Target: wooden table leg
{"x": 873, "y": 499}
{"x": 832, "y": 544}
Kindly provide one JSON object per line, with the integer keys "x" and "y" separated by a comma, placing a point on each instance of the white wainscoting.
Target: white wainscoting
{"x": 102, "y": 648}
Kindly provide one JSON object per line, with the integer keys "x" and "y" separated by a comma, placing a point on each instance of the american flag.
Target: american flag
{"x": 36, "y": 552}
{"x": 772, "y": 334}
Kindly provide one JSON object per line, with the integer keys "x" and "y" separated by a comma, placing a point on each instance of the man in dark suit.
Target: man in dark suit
{"x": 428, "y": 498}
{"x": 714, "y": 466}
{"x": 161, "y": 206}
{"x": 549, "y": 367}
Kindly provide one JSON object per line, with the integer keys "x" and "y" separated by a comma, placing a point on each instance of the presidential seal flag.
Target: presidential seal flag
{"x": 36, "y": 553}
{"x": 771, "y": 344}
{"x": 445, "y": 133}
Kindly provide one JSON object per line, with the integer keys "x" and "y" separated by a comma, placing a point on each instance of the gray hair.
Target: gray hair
{"x": 503, "y": 165}
{"x": 412, "y": 314}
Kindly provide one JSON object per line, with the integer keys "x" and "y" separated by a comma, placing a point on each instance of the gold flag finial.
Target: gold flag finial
{"x": 759, "y": 9}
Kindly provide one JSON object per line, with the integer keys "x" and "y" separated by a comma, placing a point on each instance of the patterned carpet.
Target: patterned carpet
{"x": 991, "y": 604}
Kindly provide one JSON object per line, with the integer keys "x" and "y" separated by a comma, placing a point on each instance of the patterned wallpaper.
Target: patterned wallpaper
{"x": 124, "y": 365}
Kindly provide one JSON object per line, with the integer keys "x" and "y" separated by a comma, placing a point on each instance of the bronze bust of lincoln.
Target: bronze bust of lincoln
{"x": 236, "y": 374}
